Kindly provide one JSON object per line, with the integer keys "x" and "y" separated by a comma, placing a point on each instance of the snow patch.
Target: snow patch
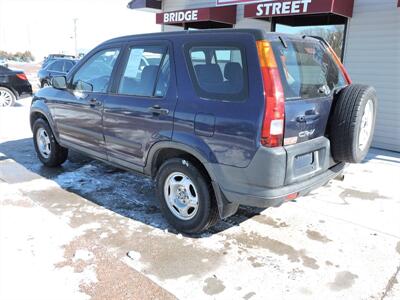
{"x": 82, "y": 254}
{"x": 37, "y": 185}
{"x": 134, "y": 255}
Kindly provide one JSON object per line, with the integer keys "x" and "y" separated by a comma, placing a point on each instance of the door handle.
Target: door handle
{"x": 308, "y": 119}
{"x": 158, "y": 110}
{"x": 94, "y": 102}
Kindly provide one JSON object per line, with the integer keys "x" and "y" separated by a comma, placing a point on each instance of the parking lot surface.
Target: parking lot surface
{"x": 90, "y": 231}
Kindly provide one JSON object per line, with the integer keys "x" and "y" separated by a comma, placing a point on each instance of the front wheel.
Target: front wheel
{"x": 50, "y": 153}
{"x": 186, "y": 197}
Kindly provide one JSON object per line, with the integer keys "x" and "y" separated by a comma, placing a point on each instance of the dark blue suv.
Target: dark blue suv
{"x": 220, "y": 118}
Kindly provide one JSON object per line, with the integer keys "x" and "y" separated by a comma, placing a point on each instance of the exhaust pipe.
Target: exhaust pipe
{"x": 339, "y": 177}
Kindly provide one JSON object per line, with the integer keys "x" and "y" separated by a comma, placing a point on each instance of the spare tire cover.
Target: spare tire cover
{"x": 352, "y": 123}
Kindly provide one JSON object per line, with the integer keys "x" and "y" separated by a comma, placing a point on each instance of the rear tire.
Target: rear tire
{"x": 352, "y": 123}
{"x": 176, "y": 201}
{"x": 7, "y": 97}
{"x": 48, "y": 150}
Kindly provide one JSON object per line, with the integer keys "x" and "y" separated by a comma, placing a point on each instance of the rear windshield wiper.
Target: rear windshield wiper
{"x": 283, "y": 42}
{"x": 321, "y": 39}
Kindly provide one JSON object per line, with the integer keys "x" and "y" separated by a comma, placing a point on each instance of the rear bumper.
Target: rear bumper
{"x": 276, "y": 173}
{"x": 24, "y": 90}
{"x": 275, "y": 197}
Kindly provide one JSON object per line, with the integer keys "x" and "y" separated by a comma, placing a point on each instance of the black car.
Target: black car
{"x": 58, "y": 67}
{"x": 13, "y": 85}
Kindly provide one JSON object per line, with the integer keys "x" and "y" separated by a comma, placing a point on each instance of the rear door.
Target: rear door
{"x": 310, "y": 77}
{"x": 140, "y": 110}
{"x": 220, "y": 95}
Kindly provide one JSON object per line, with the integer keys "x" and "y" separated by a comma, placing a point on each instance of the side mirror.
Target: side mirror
{"x": 59, "y": 82}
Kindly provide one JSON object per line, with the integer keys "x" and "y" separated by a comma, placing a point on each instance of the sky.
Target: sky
{"x": 47, "y": 26}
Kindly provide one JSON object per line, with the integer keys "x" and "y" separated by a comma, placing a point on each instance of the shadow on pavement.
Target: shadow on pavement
{"x": 125, "y": 193}
{"x": 383, "y": 155}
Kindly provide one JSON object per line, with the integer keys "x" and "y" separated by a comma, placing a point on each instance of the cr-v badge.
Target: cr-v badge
{"x": 306, "y": 133}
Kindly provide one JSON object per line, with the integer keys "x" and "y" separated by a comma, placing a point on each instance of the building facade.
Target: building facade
{"x": 365, "y": 33}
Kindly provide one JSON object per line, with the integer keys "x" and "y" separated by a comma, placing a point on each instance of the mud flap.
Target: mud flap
{"x": 225, "y": 208}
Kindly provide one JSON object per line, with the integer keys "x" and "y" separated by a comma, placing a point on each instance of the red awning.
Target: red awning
{"x": 207, "y": 17}
{"x": 283, "y": 8}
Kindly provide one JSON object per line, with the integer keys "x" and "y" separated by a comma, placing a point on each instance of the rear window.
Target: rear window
{"x": 218, "y": 72}
{"x": 307, "y": 69}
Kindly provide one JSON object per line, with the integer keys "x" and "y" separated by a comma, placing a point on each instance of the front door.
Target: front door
{"x": 140, "y": 110}
{"x": 78, "y": 110}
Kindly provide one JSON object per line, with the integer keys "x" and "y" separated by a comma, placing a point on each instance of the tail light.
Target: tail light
{"x": 274, "y": 115}
{"x": 21, "y": 76}
{"x": 339, "y": 63}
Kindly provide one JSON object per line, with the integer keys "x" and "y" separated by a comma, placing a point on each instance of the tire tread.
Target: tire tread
{"x": 343, "y": 122}
{"x": 59, "y": 154}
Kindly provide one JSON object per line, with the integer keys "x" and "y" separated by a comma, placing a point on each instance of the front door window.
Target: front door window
{"x": 95, "y": 74}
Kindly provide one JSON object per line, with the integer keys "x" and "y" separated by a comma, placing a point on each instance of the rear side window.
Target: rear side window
{"x": 218, "y": 72}
{"x": 307, "y": 69}
{"x": 147, "y": 72}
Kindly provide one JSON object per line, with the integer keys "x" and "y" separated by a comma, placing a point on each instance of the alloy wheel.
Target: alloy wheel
{"x": 6, "y": 98}
{"x": 181, "y": 196}
{"x": 43, "y": 142}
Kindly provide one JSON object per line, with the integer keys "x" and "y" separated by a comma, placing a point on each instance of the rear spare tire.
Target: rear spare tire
{"x": 352, "y": 123}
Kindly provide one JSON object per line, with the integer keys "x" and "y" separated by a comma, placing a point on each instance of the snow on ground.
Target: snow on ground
{"x": 26, "y": 256}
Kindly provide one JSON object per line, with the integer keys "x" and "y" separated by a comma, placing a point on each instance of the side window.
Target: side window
{"x": 147, "y": 72}
{"x": 218, "y": 72}
{"x": 198, "y": 57}
{"x": 163, "y": 78}
{"x": 56, "y": 66}
{"x": 68, "y": 66}
{"x": 95, "y": 74}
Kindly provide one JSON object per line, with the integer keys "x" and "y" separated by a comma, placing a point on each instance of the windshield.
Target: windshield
{"x": 307, "y": 69}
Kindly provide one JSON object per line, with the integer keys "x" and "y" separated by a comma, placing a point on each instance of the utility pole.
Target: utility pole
{"x": 75, "y": 37}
